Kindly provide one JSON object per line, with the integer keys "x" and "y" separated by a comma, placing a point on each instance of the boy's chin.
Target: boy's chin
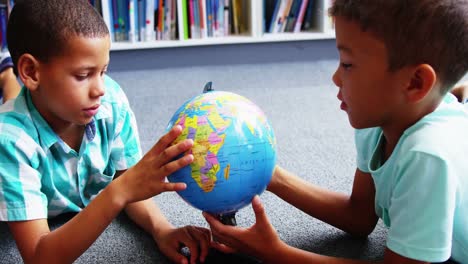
{"x": 358, "y": 125}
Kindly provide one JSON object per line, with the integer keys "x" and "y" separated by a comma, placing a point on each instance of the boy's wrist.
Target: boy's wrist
{"x": 116, "y": 194}
{"x": 277, "y": 254}
{"x": 275, "y": 179}
{"x": 161, "y": 230}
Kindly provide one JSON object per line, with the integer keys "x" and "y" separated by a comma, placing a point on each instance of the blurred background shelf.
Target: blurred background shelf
{"x": 149, "y": 24}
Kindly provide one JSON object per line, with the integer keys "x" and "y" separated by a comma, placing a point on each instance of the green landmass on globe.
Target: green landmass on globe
{"x": 234, "y": 150}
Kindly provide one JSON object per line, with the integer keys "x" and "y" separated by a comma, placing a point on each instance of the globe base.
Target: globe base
{"x": 228, "y": 219}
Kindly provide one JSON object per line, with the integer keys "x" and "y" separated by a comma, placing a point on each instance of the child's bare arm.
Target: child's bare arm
{"x": 351, "y": 213}
{"x": 144, "y": 180}
{"x": 37, "y": 244}
{"x": 461, "y": 92}
{"x": 169, "y": 238}
{"x": 8, "y": 81}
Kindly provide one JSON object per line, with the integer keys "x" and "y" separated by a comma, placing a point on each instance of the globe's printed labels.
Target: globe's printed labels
{"x": 234, "y": 151}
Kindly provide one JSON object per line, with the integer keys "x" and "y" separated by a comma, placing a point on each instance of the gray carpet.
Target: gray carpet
{"x": 314, "y": 139}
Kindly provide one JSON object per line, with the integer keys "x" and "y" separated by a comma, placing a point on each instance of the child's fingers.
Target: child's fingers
{"x": 173, "y": 186}
{"x": 193, "y": 247}
{"x": 259, "y": 210}
{"x": 175, "y": 165}
{"x": 167, "y": 139}
{"x": 171, "y": 152}
{"x": 177, "y": 257}
{"x": 219, "y": 230}
{"x": 203, "y": 236}
{"x": 223, "y": 248}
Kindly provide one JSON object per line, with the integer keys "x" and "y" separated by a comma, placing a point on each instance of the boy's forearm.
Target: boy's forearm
{"x": 148, "y": 216}
{"x": 305, "y": 196}
{"x": 289, "y": 254}
{"x": 68, "y": 242}
{"x": 331, "y": 207}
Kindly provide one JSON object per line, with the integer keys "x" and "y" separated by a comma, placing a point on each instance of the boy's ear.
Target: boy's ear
{"x": 28, "y": 71}
{"x": 422, "y": 80}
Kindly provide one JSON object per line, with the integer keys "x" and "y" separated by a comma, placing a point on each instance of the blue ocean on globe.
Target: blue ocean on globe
{"x": 234, "y": 151}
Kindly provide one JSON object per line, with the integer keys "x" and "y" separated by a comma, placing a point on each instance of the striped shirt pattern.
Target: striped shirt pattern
{"x": 41, "y": 176}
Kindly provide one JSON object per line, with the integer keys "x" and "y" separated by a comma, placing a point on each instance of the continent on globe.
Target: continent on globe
{"x": 234, "y": 151}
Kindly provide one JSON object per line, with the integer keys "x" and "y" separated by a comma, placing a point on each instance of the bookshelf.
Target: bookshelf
{"x": 251, "y": 25}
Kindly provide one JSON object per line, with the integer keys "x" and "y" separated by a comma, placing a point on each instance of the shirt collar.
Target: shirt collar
{"x": 47, "y": 136}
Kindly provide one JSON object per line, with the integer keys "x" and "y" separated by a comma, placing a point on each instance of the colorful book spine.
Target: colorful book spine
{"x": 3, "y": 25}
{"x": 174, "y": 12}
{"x": 277, "y": 23}
{"x": 300, "y": 19}
{"x": 106, "y": 10}
{"x": 209, "y": 17}
{"x": 307, "y": 24}
{"x": 132, "y": 12}
{"x": 203, "y": 18}
{"x": 284, "y": 18}
{"x": 293, "y": 14}
{"x": 167, "y": 20}
{"x": 149, "y": 21}
{"x": 115, "y": 20}
{"x": 123, "y": 19}
{"x": 227, "y": 18}
{"x": 191, "y": 19}
{"x": 219, "y": 23}
{"x": 183, "y": 19}
{"x": 141, "y": 20}
{"x": 161, "y": 15}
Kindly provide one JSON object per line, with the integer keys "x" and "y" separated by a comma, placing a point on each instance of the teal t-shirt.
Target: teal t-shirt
{"x": 422, "y": 188}
{"x": 41, "y": 176}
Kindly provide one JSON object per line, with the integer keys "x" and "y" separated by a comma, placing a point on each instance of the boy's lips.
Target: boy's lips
{"x": 91, "y": 111}
{"x": 343, "y": 105}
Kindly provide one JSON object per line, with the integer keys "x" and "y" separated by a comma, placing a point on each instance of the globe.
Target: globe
{"x": 234, "y": 151}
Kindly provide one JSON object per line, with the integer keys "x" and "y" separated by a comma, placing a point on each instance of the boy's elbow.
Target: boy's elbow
{"x": 363, "y": 230}
{"x": 362, "y": 233}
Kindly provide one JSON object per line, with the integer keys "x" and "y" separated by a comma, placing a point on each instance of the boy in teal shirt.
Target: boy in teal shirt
{"x": 70, "y": 143}
{"x": 398, "y": 60}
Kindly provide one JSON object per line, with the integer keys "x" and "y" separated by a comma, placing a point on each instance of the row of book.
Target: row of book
{"x": 149, "y": 20}
{"x": 139, "y": 20}
{"x": 5, "y": 8}
{"x": 289, "y": 15}
{"x": 214, "y": 18}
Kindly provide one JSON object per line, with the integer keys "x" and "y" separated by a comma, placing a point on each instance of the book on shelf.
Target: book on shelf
{"x": 149, "y": 19}
{"x": 308, "y": 23}
{"x": 3, "y": 25}
{"x": 152, "y": 20}
{"x": 292, "y": 16}
{"x": 5, "y": 9}
{"x": 300, "y": 17}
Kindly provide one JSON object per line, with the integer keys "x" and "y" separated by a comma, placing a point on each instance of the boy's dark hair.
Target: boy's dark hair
{"x": 416, "y": 31}
{"x": 42, "y": 27}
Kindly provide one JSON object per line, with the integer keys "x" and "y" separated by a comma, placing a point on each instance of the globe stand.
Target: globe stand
{"x": 208, "y": 87}
{"x": 227, "y": 219}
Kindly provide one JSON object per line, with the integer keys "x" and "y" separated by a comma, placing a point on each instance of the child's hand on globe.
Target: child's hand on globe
{"x": 148, "y": 177}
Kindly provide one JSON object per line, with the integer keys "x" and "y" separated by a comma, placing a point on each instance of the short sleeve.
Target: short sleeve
{"x": 21, "y": 197}
{"x": 125, "y": 147}
{"x": 421, "y": 229}
{"x": 126, "y": 150}
{"x": 366, "y": 141}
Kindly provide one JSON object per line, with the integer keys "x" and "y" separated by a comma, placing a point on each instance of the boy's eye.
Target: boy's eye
{"x": 346, "y": 65}
{"x": 81, "y": 77}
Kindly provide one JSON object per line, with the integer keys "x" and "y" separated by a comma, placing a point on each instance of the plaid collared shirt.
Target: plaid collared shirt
{"x": 41, "y": 176}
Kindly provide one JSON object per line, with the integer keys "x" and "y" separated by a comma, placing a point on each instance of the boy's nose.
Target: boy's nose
{"x": 98, "y": 88}
{"x": 336, "y": 79}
